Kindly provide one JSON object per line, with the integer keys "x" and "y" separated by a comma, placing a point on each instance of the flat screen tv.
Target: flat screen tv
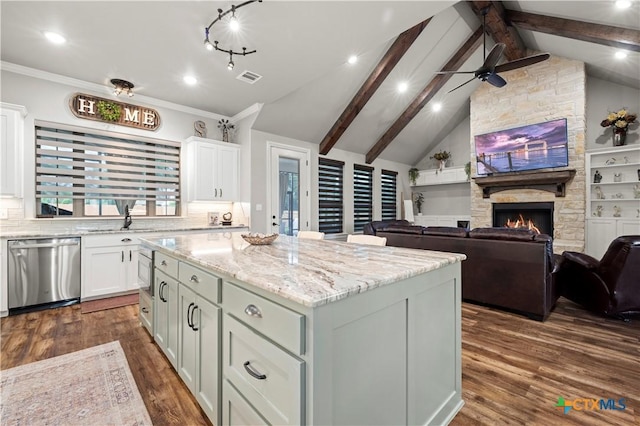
{"x": 536, "y": 146}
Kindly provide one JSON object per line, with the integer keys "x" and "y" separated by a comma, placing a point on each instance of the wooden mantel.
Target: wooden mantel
{"x": 552, "y": 181}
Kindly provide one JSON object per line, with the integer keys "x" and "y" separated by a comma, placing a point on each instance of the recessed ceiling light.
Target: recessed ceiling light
{"x": 353, "y": 59}
{"x": 190, "y": 80}
{"x": 402, "y": 87}
{"x": 623, "y": 4}
{"x": 54, "y": 38}
{"x": 620, "y": 54}
{"x": 436, "y": 107}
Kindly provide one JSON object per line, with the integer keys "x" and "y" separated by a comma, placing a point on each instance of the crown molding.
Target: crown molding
{"x": 99, "y": 88}
{"x": 255, "y": 108}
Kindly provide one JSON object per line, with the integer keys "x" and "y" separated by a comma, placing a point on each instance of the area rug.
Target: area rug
{"x": 109, "y": 303}
{"x": 90, "y": 387}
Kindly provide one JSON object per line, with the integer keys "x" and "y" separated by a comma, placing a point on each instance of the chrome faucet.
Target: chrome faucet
{"x": 127, "y": 218}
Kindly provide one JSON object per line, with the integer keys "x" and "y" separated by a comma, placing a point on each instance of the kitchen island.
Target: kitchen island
{"x": 310, "y": 331}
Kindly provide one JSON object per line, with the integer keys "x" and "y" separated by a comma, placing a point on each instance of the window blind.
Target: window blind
{"x": 362, "y": 196}
{"x": 388, "y": 194}
{"x": 74, "y": 163}
{"x": 330, "y": 195}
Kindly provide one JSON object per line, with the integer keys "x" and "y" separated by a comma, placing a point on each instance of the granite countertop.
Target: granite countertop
{"x": 308, "y": 272}
{"x": 82, "y": 232}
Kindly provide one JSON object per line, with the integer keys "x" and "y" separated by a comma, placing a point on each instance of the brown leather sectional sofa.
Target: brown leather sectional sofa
{"x": 511, "y": 269}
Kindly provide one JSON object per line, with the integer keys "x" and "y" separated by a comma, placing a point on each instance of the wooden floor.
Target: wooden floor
{"x": 513, "y": 369}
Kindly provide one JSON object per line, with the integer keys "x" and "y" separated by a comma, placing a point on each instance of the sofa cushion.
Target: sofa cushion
{"x": 377, "y": 225}
{"x": 446, "y": 231}
{"x": 513, "y": 234}
{"x": 404, "y": 229}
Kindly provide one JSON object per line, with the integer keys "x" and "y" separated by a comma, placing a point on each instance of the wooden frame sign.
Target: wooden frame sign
{"x": 108, "y": 111}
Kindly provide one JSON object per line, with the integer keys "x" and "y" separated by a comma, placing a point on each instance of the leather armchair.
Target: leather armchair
{"x": 610, "y": 286}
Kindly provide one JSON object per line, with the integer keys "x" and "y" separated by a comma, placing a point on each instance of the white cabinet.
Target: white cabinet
{"x": 109, "y": 265}
{"x": 11, "y": 143}
{"x": 613, "y": 196}
{"x": 212, "y": 170}
{"x": 165, "y": 312}
{"x": 187, "y": 328}
{"x": 198, "y": 361}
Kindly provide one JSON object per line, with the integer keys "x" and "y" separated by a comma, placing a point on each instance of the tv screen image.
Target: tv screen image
{"x": 531, "y": 147}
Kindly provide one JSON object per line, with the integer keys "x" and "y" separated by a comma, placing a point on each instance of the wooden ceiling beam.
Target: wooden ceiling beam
{"x": 369, "y": 87}
{"x": 436, "y": 83}
{"x": 622, "y": 38}
{"x": 498, "y": 28}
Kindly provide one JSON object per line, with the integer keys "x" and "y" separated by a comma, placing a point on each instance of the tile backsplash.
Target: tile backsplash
{"x": 13, "y": 221}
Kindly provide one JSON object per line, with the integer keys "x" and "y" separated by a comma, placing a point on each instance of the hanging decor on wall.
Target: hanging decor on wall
{"x": 107, "y": 111}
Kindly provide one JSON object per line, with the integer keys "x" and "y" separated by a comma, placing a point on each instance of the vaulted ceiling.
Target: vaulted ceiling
{"x": 308, "y": 90}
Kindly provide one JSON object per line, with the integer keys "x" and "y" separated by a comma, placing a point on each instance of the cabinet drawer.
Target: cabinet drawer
{"x": 284, "y": 326}
{"x": 268, "y": 377}
{"x": 110, "y": 240}
{"x": 166, "y": 264}
{"x": 236, "y": 410}
{"x": 145, "y": 311}
{"x": 205, "y": 284}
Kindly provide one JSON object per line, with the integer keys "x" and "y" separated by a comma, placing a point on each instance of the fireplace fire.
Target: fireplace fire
{"x": 521, "y": 222}
{"x": 536, "y": 216}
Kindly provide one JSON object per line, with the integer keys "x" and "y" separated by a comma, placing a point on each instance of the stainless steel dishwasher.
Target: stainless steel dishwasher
{"x": 43, "y": 273}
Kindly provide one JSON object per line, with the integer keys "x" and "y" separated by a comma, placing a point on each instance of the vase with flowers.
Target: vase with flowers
{"x": 619, "y": 123}
{"x": 441, "y": 157}
{"x": 226, "y": 129}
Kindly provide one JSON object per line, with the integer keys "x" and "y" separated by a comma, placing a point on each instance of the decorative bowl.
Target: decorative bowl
{"x": 259, "y": 239}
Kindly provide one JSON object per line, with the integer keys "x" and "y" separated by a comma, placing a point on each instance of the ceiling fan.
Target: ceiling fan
{"x": 489, "y": 70}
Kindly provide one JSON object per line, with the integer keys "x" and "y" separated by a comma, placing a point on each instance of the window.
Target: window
{"x": 330, "y": 195}
{"x": 388, "y": 194}
{"x": 86, "y": 172}
{"x": 362, "y": 196}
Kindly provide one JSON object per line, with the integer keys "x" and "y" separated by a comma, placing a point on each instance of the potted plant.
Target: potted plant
{"x": 441, "y": 157}
{"x": 418, "y": 198}
{"x": 413, "y": 175}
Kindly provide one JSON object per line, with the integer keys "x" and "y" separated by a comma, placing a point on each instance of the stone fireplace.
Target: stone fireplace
{"x": 532, "y": 215}
{"x": 543, "y": 92}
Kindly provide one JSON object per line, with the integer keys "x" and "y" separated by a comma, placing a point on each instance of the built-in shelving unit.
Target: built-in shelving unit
{"x": 441, "y": 177}
{"x": 613, "y": 198}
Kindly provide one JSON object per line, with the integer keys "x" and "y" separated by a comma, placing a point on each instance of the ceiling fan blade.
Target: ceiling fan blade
{"x": 524, "y": 62}
{"x": 457, "y": 87}
{"x": 455, "y": 72}
{"x": 494, "y": 56}
{"x": 495, "y": 80}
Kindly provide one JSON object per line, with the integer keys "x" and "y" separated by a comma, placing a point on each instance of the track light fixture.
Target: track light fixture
{"x": 122, "y": 86}
{"x": 234, "y": 25}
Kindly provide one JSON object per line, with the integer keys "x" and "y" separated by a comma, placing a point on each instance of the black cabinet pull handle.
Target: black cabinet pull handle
{"x": 126, "y": 240}
{"x": 130, "y": 255}
{"x": 145, "y": 310}
{"x": 189, "y": 323}
{"x": 161, "y": 291}
{"x": 122, "y": 256}
{"x": 193, "y": 311}
{"x": 252, "y": 372}
{"x": 163, "y": 263}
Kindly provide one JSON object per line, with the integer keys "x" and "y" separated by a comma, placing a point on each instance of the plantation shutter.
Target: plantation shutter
{"x": 86, "y": 163}
{"x": 330, "y": 194}
{"x": 362, "y": 196}
{"x": 388, "y": 194}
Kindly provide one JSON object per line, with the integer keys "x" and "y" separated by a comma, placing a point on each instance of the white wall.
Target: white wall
{"x": 456, "y": 142}
{"x": 259, "y": 179}
{"x": 604, "y": 97}
{"x": 47, "y": 99}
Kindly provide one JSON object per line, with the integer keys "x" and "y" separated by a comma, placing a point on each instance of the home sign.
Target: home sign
{"x": 109, "y": 111}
